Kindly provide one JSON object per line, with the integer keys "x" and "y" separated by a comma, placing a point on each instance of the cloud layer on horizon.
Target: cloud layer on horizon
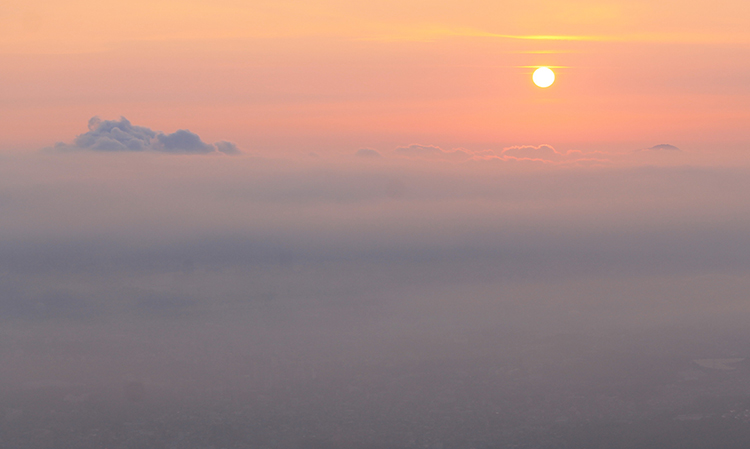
{"x": 544, "y": 155}
{"x": 528, "y": 153}
{"x": 123, "y": 136}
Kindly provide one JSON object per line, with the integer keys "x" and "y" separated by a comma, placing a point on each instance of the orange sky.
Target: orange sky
{"x": 333, "y": 76}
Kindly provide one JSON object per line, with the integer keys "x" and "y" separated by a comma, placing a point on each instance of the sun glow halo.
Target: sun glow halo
{"x": 543, "y": 77}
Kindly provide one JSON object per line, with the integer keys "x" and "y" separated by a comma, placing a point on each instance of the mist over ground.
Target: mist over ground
{"x": 152, "y": 300}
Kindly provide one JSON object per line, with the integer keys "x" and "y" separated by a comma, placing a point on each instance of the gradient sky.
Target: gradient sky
{"x": 274, "y": 195}
{"x": 290, "y": 77}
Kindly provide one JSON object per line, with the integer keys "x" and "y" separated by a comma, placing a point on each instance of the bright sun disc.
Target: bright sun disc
{"x": 544, "y": 77}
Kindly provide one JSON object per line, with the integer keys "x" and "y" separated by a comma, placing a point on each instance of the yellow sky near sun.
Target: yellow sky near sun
{"x": 89, "y": 25}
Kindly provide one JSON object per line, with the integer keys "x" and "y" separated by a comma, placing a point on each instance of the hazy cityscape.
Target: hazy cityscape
{"x": 552, "y": 316}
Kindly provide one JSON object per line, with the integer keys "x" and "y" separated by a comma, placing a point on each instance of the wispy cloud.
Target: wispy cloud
{"x": 428, "y": 33}
{"x": 434, "y": 32}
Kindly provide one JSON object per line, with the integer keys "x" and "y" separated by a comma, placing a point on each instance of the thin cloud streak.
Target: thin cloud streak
{"x": 428, "y": 34}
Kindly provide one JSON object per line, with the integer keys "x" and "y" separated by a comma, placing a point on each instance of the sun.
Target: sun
{"x": 543, "y": 77}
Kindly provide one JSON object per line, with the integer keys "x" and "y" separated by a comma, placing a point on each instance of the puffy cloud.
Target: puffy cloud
{"x": 367, "y": 153}
{"x": 183, "y": 141}
{"x": 121, "y": 135}
{"x": 114, "y": 135}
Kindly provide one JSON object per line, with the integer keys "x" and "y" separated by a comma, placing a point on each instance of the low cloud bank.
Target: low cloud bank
{"x": 123, "y": 136}
{"x": 528, "y": 153}
{"x": 367, "y": 153}
{"x": 663, "y": 146}
{"x": 542, "y": 153}
{"x": 417, "y": 151}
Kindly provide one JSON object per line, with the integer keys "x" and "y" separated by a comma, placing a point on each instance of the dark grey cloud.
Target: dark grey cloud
{"x": 123, "y": 136}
